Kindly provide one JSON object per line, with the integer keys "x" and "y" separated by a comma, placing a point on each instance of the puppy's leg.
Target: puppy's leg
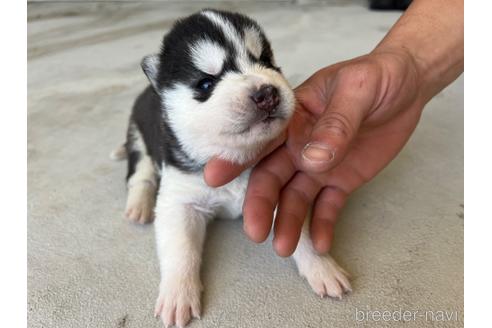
{"x": 321, "y": 271}
{"x": 141, "y": 179}
{"x": 180, "y": 232}
{"x": 119, "y": 153}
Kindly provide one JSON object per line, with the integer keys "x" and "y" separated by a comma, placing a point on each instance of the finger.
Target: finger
{"x": 350, "y": 101}
{"x": 218, "y": 172}
{"x": 325, "y": 212}
{"x": 294, "y": 203}
{"x": 265, "y": 183}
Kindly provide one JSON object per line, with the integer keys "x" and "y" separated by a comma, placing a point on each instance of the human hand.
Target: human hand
{"x": 354, "y": 117}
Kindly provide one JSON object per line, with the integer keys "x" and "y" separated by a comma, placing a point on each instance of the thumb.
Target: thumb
{"x": 335, "y": 129}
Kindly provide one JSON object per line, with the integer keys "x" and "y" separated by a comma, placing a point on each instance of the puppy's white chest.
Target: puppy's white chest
{"x": 230, "y": 198}
{"x": 190, "y": 189}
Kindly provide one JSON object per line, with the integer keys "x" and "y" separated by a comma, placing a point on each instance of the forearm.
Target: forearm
{"x": 431, "y": 32}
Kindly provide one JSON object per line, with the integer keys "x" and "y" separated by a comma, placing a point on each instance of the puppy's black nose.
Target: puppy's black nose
{"x": 266, "y": 98}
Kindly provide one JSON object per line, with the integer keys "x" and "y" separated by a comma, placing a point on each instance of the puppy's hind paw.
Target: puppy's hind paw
{"x": 118, "y": 154}
{"x": 140, "y": 203}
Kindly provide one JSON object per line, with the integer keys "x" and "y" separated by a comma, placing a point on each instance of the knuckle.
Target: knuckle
{"x": 294, "y": 203}
{"x": 337, "y": 124}
{"x": 300, "y": 195}
{"x": 329, "y": 214}
{"x": 358, "y": 75}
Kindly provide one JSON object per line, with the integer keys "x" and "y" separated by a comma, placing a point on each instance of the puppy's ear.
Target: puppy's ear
{"x": 150, "y": 65}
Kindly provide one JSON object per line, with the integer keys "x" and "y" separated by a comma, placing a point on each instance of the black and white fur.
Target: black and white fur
{"x": 215, "y": 91}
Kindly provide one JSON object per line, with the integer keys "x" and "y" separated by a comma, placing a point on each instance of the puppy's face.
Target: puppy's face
{"x": 221, "y": 91}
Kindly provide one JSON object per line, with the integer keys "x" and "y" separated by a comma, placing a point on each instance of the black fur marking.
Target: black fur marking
{"x": 133, "y": 158}
{"x": 162, "y": 144}
{"x": 176, "y": 65}
{"x": 175, "y": 58}
{"x": 240, "y": 23}
{"x": 134, "y": 155}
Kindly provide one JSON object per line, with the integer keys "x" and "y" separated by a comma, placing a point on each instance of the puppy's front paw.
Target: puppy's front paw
{"x": 140, "y": 203}
{"x": 325, "y": 277}
{"x": 178, "y": 301}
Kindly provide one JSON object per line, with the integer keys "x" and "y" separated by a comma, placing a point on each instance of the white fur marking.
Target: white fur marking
{"x": 233, "y": 36}
{"x": 208, "y": 56}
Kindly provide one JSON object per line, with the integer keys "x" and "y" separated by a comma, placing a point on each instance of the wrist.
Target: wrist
{"x": 432, "y": 74}
{"x": 430, "y": 36}
{"x": 410, "y": 65}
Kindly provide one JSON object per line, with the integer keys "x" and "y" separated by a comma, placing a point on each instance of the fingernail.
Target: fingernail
{"x": 317, "y": 152}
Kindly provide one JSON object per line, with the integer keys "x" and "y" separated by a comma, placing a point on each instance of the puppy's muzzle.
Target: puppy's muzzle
{"x": 266, "y": 98}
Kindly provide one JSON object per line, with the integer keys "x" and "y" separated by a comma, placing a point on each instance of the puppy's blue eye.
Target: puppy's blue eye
{"x": 205, "y": 84}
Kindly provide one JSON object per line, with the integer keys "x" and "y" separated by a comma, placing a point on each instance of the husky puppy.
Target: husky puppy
{"x": 215, "y": 90}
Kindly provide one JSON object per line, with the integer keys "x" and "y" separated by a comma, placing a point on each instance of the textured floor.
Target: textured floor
{"x": 401, "y": 236}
